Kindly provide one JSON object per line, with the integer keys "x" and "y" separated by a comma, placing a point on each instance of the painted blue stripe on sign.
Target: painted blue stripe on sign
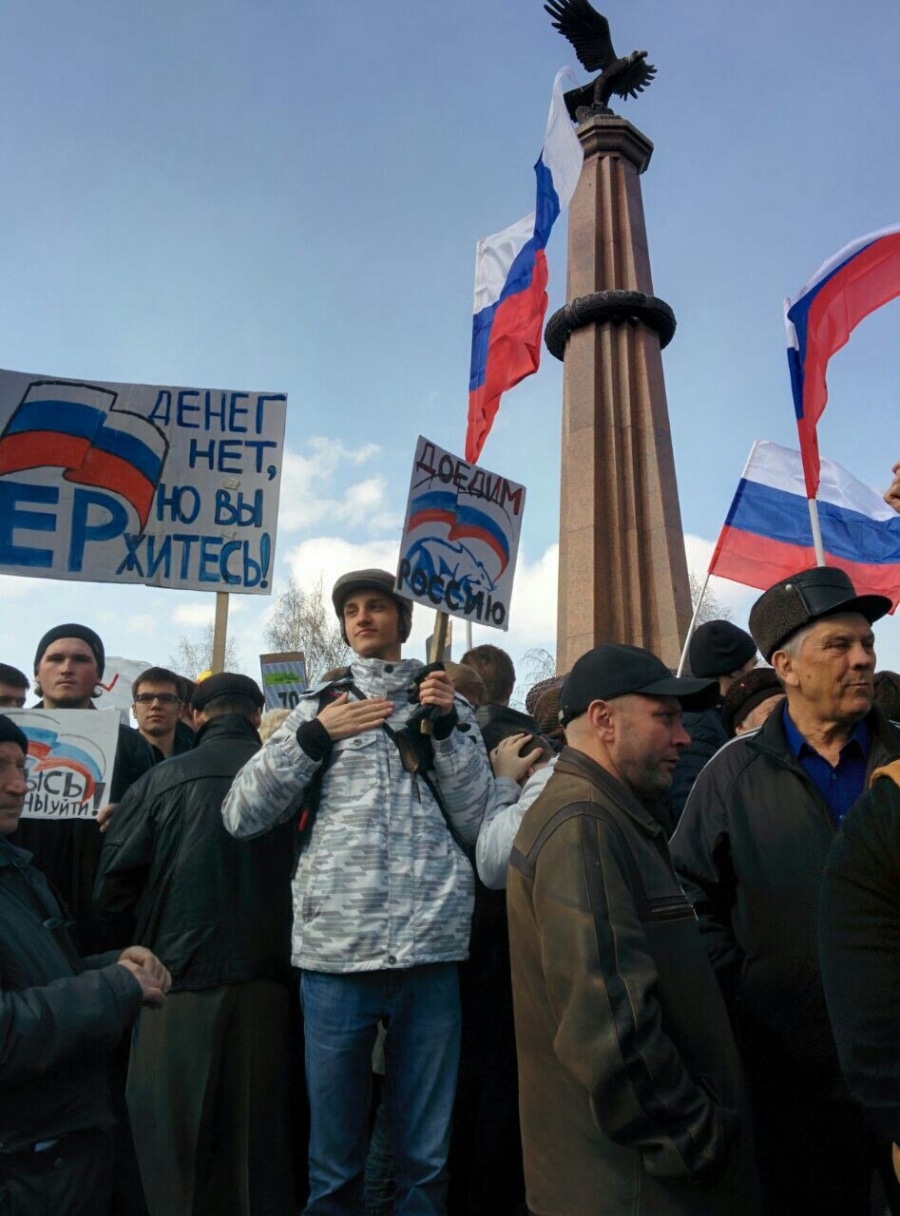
{"x": 132, "y": 449}
{"x": 434, "y": 500}
{"x": 470, "y": 517}
{"x": 64, "y": 417}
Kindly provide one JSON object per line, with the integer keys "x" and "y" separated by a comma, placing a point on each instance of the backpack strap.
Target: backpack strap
{"x": 412, "y": 758}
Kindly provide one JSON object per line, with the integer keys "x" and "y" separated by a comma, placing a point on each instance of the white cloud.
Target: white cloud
{"x": 325, "y": 558}
{"x": 14, "y": 587}
{"x": 195, "y": 613}
{"x": 309, "y": 494}
{"x": 142, "y": 625}
{"x": 534, "y": 601}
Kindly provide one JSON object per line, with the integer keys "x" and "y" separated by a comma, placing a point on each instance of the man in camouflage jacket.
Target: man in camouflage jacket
{"x": 383, "y": 896}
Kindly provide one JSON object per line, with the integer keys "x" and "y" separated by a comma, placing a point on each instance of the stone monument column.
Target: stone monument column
{"x": 622, "y": 568}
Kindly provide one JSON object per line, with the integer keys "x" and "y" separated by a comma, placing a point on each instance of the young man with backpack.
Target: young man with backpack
{"x": 383, "y": 892}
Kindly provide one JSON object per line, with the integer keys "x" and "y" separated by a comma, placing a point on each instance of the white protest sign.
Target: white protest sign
{"x": 283, "y": 678}
{"x": 71, "y": 755}
{"x": 461, "y": 537}
{"x": 139, "y": 483}
{"x": 118, "y": 676}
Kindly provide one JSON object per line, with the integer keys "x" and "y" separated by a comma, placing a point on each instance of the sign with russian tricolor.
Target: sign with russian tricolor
{"x": 139, "y": 483}
{"x": 71, "y": 756}
{"x": 461, "y": 537}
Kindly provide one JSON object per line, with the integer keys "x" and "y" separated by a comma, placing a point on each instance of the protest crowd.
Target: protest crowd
{"x": 407, "y": 949}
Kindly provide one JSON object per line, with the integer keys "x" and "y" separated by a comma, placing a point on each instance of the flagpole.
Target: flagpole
{"x": 816, "y": 531}
{"x": 693, "y": 625}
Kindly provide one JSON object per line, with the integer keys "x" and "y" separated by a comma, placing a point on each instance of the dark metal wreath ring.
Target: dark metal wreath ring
{"x": 615, "y": 306}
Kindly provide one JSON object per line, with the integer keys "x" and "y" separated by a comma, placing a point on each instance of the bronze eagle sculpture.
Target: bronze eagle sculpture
{"x": 588, "y": 32}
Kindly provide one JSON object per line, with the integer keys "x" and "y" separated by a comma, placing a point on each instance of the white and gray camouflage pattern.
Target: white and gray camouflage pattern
{"x": 381, "y": 883}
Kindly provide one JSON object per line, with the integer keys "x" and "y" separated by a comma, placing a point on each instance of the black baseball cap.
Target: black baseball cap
{"x": 615, "y": 670}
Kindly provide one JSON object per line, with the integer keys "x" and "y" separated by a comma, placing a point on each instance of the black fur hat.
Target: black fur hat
{"x": 806, "y": 597}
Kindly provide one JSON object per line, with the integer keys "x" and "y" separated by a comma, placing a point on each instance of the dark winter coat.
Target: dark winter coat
{"x": 216, "y": 910}
{"x": 750, "y": 850}
{"x": 60, "y": 1016}
{"x": 707, "y": 736}
{"x": 859, "y": 937}
{"x": 67, "y": 851}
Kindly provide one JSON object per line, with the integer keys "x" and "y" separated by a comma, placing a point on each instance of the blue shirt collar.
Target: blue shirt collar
{"x": 862, "y": 736}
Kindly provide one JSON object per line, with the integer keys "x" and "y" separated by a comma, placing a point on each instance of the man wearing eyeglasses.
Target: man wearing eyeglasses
{"x": 158, "y": 697}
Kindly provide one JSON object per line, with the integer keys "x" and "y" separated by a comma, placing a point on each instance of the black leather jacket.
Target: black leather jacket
{"x": 750, "y": 851}
{"x": 216, "y": 910}
{"x": 60, "y": 1016}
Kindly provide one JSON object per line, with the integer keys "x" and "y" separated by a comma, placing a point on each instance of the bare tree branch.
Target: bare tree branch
{"x": 192, "y": 658}
{"x": 304, "y": 620}
{"x": 713, "y": 609}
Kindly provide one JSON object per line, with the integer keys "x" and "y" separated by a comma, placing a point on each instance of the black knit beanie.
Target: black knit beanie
{"x": 10, "y": 733}
{"x": 83, "y": 633}
{"x": 717, "y": 648}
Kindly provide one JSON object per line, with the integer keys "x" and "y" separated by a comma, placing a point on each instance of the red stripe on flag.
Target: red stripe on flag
{"x": 757, "y": 561}
{"x": 514, "y": 352}
{"x": 867, "y": 281}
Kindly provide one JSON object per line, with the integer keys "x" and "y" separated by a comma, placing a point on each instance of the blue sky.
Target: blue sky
{"x": 286, "y": 194}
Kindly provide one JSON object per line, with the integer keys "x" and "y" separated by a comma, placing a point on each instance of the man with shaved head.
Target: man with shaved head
{"x": 630, "y": 1087}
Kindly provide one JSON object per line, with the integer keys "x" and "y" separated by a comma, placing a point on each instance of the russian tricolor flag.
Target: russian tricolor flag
{"x": 511, "y": 280}
{"x": 768, "y": 535}
{"x": 842, "y": 292}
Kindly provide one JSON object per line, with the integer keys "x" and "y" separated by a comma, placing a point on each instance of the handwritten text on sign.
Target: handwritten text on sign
{"x": 71, "y": 755}
{"x": 461, "y": 537}
{"x": 172, "y": 487}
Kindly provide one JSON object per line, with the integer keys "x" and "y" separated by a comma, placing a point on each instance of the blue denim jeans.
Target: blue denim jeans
{"x": 420, "y": 1010}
